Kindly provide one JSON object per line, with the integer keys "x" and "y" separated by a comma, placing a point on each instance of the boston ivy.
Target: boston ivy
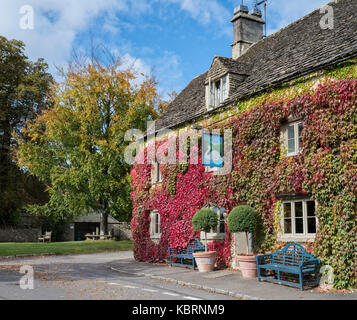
{"x": 326, "y": 170}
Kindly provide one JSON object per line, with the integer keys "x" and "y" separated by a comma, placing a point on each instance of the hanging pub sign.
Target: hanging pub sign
{"x": 212, "y": 147}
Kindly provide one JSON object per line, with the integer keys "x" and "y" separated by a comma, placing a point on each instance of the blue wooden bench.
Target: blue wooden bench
{"x": 185, "y": 257}
{"x": 291, "y": 263}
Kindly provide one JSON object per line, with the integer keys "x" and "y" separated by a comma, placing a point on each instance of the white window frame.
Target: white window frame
{"x": 155, "y": 219}
{"x": 224, "y": 88}
{"x": 218, "y": 93}
{"x": 156, "y": 176}
{"x": 211, "y": 169}
{"x": 217, "y": 235}
{"x": 285, "y": 136}
{"x": 293, "y": 236}
{"x": 212, "y": 100}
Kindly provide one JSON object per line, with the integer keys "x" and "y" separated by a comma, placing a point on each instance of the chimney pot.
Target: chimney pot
{"x": 247, "y": 29}
{"x": 256, "y": 12}
{"x": 241, "y": 8}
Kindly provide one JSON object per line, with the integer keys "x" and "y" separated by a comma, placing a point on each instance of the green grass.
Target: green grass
{"x": 65, "y": 248}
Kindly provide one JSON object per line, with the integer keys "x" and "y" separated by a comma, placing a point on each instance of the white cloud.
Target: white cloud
{"x": 166, "y": 68}
{"x": 141, "y": 68}
{"x": 58, "y": 23}
{"x": 207, "y": 12}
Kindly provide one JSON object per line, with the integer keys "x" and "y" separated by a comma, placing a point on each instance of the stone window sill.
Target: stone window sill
{"x": 295, "y": 238}
{"x": 213, "y": 236}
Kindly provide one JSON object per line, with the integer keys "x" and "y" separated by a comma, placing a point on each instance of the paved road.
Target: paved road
{"x": 86, "y": 277}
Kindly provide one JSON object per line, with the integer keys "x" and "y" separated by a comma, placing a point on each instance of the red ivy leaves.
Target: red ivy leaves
{"x": 326, "y": 169}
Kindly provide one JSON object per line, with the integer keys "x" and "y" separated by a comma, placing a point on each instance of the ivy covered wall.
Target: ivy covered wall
{"x": 325, "y": 170}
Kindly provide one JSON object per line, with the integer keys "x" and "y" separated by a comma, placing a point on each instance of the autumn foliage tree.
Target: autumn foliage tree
{"x": 77, "y": 146}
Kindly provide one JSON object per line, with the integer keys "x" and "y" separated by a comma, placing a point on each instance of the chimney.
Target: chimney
{"x": 247, "y": 29}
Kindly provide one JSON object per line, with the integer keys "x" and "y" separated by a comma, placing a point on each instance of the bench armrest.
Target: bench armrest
{"x": 264, "y": 258}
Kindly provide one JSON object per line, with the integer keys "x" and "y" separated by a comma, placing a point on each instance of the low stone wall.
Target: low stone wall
{"x": 10, "y": 234}
{"x": 123, "y": 231}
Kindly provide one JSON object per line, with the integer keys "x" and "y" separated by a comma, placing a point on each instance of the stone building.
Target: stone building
{"x": 90, "y": 223}
{"x": 289, "y": 100}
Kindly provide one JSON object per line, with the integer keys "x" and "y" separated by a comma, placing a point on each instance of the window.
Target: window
{"x": 212, "y": 102}
{"x": 218, "y": 92}
{"x": 298, "y": 219}
{"x": 218, "y": 232}
{"x": 155, "y": 224}
{"x": 224, "y": 89}
{"x": 221, "y": 227}
{"x": 292, "y": 138}
{"x": 156, "y": 176}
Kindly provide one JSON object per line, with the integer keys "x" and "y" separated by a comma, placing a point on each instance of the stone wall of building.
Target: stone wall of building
{"x": 122, "y": 231}
{"x": 9, "y": 234}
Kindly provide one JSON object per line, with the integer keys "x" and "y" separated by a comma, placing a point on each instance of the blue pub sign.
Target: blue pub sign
{"x": 212, "y": 147}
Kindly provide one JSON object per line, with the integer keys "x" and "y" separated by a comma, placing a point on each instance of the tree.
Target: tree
{"x": 243, "y": 219}
{"x": 23, "y": 89}
{"x": 204, "y": 220}
{"x": 77, "y": 146}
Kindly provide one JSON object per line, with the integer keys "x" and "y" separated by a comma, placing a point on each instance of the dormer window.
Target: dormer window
{"x": 218, "y": 92}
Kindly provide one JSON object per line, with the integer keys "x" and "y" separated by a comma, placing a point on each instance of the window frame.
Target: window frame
{"x": 224, "y": 87}
{"x": 213, "y": 167}
{"x": 217, "y": 93}
{"x": 214, "y": 101}
{"x": 297, "y": 137}
{"x": 156, "y": 175}
{"x": 294, "y": 236}
{"x": 155, "y": 220}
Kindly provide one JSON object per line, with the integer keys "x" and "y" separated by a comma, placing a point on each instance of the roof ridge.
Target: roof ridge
{"x": 287, "y": 54}
{"x": 277, "y": 32}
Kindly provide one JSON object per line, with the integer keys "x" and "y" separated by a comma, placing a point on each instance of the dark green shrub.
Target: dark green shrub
{"x": 204, "y": 220}
{"x": 243, "y": 219}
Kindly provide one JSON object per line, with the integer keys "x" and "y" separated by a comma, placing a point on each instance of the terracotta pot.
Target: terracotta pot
{"x": 248, "y": 266}
{"x": 205, "y": 260}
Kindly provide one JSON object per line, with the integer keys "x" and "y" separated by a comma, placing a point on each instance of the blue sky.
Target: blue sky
{"x": 176, "y": 40}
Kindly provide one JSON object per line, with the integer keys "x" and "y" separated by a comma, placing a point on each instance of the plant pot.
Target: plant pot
{"x": 205, "y": 260}
{"x": 248, "y": 266}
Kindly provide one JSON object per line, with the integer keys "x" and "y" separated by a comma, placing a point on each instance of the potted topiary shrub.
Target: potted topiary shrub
{"x": 244, "y": 219}
{"x": 203, "y": 221}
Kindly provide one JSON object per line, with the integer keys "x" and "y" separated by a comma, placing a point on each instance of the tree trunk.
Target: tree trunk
{"x": 104, "y": 223}
{"x": 246, "y": 236}
{"x": 206, "y": 241}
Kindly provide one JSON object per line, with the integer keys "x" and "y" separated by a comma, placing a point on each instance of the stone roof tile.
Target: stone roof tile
{"x": 298, "y": 49}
